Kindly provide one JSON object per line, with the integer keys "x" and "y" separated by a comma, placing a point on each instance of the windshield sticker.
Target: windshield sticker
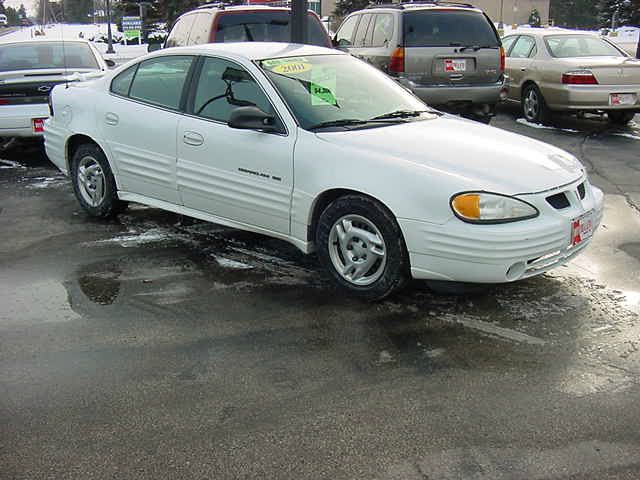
{"x": 288, "y": 66}
{"x": 323, "y": 86}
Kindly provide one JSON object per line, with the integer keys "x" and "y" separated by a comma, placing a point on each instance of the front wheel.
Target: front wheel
{"x": 360, "y": 243}
{"x": 620, "y": 117}
{"x": 93, "y": 182}
{"x": 534, "y": 108}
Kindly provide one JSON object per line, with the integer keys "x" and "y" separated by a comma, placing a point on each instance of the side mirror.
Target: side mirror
{"x": 334, "y": 41}
{"x": 110, "y": 63}
{"x": 252, "y": 118}
{"x": 152, "y": 47}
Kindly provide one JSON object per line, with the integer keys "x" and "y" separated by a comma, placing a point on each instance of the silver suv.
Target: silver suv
{"x": 448, "y": 54}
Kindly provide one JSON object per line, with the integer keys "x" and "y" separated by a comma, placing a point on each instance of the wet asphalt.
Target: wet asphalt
{"x": 157, "y": 347}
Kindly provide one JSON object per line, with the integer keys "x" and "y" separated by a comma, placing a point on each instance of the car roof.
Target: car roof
{"x": 45, "y": 40}
{"x": 541, "y": 32}
{"x": 411, "y": 6}
{"x": 254, "y": 50}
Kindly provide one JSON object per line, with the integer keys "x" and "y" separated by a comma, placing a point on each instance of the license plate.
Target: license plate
{"x": 622, "y": 99}
{"x": 581, "y": 228}
{"x": 455, "y": 65}
{"x": 38, "y": 125}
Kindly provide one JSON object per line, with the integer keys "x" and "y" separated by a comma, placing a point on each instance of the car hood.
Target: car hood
{"x": 486, "y": 158}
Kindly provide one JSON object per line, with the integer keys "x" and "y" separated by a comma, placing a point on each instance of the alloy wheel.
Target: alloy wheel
{"x": 91, "y": 181}
{"x": 357, "y": 250}
{"x": 531, "y": 105}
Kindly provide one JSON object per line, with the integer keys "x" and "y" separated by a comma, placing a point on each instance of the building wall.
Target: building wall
{"x": 513, "y": 11}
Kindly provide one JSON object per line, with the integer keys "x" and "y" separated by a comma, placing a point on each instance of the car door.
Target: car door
{"x": 242, "y": 175}
{"x": 140, "y": 122}
{"x": 519, "y": 61}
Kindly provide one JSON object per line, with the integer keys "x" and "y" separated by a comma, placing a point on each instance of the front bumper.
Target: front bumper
{"x": 17, "y": 120}
{"x": 463, "y": 252}
{"x": 588, "y": 97}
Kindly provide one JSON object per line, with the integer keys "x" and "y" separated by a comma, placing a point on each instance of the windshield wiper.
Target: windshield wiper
{"x": 343, "y": 122}
{"x": 399, "y": 114}
{"x": 475, "y": 48}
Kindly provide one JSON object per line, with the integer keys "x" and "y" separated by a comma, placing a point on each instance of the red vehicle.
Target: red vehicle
{"x": 247, "y": 23}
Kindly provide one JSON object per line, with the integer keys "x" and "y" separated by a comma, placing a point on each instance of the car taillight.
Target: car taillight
{"x": 502, "y": 59}
{"x": 396, "y": 65}
{"x": 579, "y": 77}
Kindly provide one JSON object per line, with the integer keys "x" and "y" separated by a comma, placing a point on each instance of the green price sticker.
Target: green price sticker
{"x": 323, "y": 86}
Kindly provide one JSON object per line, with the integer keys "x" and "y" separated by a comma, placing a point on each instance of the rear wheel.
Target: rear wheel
{"x": 534, "y": 108}
{"x": 93, "y": 182}
{"x": 620, "y": 117}
{"x": 361, "y": 245}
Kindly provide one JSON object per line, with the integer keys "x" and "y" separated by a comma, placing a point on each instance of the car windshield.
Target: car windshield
{"x": 256, "y": 26}
{"x": 334, "y": 88}
{"x": 443, "y": 28}
{"x": 35, "y": 56}
{"x": 566, "y": 46}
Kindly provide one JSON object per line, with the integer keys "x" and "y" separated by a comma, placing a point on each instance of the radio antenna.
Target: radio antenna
{"x": 64, "y": 51}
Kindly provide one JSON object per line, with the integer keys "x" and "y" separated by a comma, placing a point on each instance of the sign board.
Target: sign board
{"x": 131, "y": 26}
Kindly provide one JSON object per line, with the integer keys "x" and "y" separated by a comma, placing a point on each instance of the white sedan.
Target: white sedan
{"x": 317, "y": 148}
{"x": 29, "y": 69}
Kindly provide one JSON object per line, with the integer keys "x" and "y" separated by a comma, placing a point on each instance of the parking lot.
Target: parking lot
{"x": 156, "y": 346}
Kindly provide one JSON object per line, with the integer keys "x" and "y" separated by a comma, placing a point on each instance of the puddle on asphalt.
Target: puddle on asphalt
{"x": 101, "y": 287}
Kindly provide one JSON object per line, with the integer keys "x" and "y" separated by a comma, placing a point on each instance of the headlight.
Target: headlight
{"x": 484, "y": 207}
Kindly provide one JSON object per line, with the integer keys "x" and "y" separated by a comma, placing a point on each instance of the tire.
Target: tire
{"x": 534, "y": 108}
{"x": 93, "y": 183}
{"x": 360, "y": 243}
{"x": 620, "y": 117}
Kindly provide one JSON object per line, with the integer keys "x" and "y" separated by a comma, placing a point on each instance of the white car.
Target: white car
{"x": 29, "y": 70}
{"x": 317, "y": 148}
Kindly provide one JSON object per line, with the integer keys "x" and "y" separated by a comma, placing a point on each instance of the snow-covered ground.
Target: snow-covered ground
{"x": 75, "y": 31}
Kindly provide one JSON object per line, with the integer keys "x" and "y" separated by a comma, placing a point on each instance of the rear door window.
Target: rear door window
{"x": 345, "y": 34}
{"x": 523, "y": 47}
{"x": 121, "y": 84}
{"x": 442, "y": 28}
{"x": 261, "y": 26}
{"x": 507, "y": 42}
{"x": 160, "y": 81}
{"x": 363, "y": 27}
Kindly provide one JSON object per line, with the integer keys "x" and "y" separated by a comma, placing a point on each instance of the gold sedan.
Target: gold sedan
{"x": 562, "y": 70}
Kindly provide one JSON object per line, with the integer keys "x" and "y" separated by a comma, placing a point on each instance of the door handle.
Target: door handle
{"x": 523, "y": 69}
{"x": 111, "y": 118}
{"x": 193, "y": 138}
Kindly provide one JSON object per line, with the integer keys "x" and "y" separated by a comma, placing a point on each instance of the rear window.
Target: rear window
{"x": 441, "y": 28}
{"x": 266, "y": 27}
{"x": 566, "y": 46}
{"x": 32, "y": 56}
